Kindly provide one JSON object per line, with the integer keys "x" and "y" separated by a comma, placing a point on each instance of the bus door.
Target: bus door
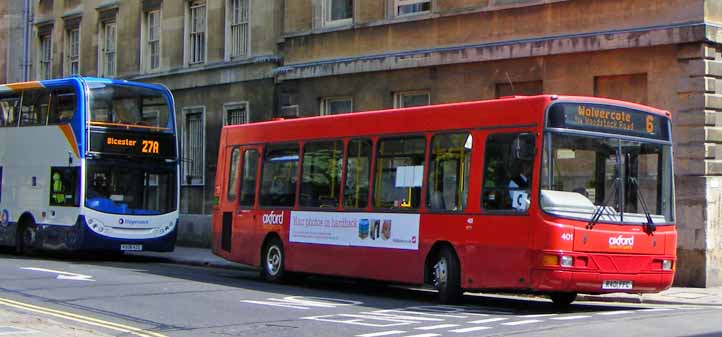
{"x": 236, "y": 207}
{"x": 245, "y": 235}
{"x": 506, "y": 227}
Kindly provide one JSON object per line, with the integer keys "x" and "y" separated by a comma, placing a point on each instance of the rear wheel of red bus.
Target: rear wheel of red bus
{"x": 446, "y": 276}
{"x": 272, "y": 266}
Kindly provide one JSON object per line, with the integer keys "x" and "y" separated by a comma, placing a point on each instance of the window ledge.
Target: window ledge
{"x": 413, "y": 18}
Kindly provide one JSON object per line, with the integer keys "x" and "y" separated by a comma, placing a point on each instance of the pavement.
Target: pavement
{"x": 675, "y": 295}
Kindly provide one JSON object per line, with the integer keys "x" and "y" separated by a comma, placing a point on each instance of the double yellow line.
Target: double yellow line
{"x": 79, "y": 318}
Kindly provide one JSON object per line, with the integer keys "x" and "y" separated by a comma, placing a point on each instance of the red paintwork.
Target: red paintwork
{"x": 495, "y": 251}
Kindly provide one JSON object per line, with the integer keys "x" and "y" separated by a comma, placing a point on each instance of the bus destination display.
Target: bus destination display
{"x": 608, "y": 118}
{"x": 155, "y": 145}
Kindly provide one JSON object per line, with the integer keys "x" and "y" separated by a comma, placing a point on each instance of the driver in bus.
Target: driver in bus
{"x": 519, "y": 186}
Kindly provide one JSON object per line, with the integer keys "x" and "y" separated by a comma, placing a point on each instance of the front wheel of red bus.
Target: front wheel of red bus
{"x": 563, "y": 299}
{"x": 446, "y": 276}
{"x": 272, "y": 267}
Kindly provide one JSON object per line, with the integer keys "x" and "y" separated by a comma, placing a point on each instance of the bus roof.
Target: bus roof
{"x": 502, "y": 113}
{"x": 72, "y": 79}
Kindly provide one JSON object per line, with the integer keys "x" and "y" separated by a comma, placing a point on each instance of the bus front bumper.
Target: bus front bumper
{"x": 589, "y": 282}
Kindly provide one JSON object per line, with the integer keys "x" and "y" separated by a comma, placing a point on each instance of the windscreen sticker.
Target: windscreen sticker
{"x": 378, "y": 230}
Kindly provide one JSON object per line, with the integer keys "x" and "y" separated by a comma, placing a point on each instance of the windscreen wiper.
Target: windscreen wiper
{"x": 598, "y": 212}
{"x": 649, "y": 227}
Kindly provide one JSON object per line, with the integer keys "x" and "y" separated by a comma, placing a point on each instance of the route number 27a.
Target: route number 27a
{"x": 150, "y": 146}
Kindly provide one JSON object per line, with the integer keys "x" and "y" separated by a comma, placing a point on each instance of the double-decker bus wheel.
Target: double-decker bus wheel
{"x": 563, "y": 299}
{"x": 446, "y": 276}
{"x": 25, "y": 236}
{"x": 272, "y": 268}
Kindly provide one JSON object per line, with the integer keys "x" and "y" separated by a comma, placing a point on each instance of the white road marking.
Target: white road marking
{"x": 475, "y": 328}
{"x": 488, "y": 320}
{"x": 566, "y": 318}
{"x": 536, "y": 316}
{"x": 435, "y": 327}
{"x": 62, "y": 275}
{"x": 655, "y": 309}
{"x": 425, "y": 335}
{"x": 618, "y": 312}
{"x": 276, "y": 304}
{"x": 529, "y": 321}
{"x": 383, "y": 333}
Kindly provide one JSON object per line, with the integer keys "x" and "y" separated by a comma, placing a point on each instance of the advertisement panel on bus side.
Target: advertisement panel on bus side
{"x": 377, "y": 230}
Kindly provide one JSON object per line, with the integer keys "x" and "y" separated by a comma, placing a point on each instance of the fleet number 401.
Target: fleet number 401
{"x": 150, "y": 146}
{"x": 567, "y": 236}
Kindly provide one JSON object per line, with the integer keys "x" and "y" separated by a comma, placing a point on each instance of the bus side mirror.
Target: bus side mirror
{"x": 524, "y": 146}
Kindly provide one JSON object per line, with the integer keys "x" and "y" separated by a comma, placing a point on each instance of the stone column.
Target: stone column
{"x": 698, "y": 165}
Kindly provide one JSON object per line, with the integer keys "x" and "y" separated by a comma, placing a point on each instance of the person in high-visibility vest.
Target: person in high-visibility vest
{"x": 58, "y": 195}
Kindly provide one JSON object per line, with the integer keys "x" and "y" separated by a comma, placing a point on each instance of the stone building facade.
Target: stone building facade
{"x": 375, "y": 54}
{"x": 301, "y": 58}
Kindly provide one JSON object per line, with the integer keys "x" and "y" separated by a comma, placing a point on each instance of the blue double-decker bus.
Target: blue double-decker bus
{"x": 88, "y": 164}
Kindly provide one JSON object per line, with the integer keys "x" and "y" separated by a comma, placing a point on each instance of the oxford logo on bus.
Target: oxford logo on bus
{"x": 273, "y": 218}
{"x": 621, "y": 242}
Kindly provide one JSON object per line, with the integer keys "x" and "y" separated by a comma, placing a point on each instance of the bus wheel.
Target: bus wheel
{"x": 563, "y": 299}
{"x": 25, "y": 237}
{"x": 446, "y": 276}
{"x": 272, "y": 268}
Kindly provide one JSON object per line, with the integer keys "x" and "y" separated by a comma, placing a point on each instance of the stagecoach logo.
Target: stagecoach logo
{"x": 273, "y": 218}
{"x": 621, "y": 242}
{"x": 122, "y": 221}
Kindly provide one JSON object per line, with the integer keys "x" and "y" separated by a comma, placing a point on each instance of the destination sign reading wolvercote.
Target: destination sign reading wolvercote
{"x": 137, "y": 144}
{"x": 608, "y": 119}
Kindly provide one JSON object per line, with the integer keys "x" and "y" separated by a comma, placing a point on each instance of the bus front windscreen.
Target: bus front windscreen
{"x": 129, "y": 107}
{"x": 130, "y": 188}
{"x": 623, "y": 181}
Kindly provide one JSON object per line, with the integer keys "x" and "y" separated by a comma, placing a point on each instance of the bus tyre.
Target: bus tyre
{"x": 563, "y": 299}
{"x": 25, "y": 237}
{"x": 446, "y": 276}
{"x": 272, "y": 268}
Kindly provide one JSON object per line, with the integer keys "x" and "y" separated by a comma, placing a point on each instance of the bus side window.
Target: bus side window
{"x": 321, "y": 174}
{"x": 9, "y": 107}
{"x": 35, "y": 106}
{"x": 233, "y": 175}
{"x": 507, "y": 180}
{"x": 249, "y": 173}
{"x": 64, "y": 186}
{"x": 399, "y": 172}
{"x": 449, "y": 172}
{"x": 279, "y": 175}
{"x": 1, "y": 184}
{"x": 358, "y": 167}
{"x": 63, "y": 107}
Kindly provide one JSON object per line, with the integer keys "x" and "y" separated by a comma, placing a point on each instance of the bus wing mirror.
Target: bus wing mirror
{"x": 524, "y": 146}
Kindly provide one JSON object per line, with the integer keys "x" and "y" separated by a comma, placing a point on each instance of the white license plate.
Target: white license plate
{"x": 614, "y": 284}
{"x": 131, "y": 247}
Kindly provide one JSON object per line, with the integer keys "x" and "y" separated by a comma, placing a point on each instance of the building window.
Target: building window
{"x": 72, "y": 50}
{"x": 235, "y": 113}
{"x": 107, "y": 49}
{"x": 196, "y": 28}
{"x": 238, "y": 31}
{"x": 193, "y": 161}
{"x": 338, "y": 12}
{"x": 408, "y": 99}
{"x": 336, "y": 105}
{"x": 45, "y": 57}
{"x": 151, "y": 37}
{"x": 411, "y": 7}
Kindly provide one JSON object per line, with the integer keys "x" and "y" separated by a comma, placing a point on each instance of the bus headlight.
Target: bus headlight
{"x": 667, "y": 264}
{"x": 566, "y": 261}
{"x": 96, "y": 225}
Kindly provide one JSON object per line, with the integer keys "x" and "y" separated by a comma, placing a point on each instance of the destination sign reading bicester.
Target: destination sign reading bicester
{"x": 154, "y": 145}
{"x": 608, "y": 118}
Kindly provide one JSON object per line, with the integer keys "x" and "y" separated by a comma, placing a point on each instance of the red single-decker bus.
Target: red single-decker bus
{"x": 546, "y": 194}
